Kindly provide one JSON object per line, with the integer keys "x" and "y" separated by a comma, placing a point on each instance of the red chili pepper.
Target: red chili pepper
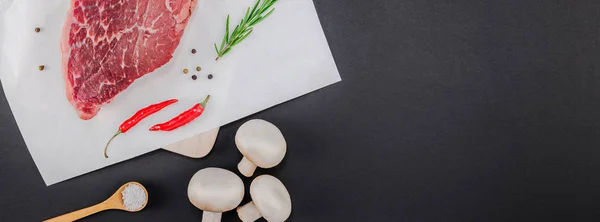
{"x": 182, "y": 118}
{"x": 137, "y": 117}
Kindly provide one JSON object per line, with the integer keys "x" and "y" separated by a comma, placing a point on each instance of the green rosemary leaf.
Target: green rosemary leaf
{"x": 222, "y": 43}
{"x": 249, "y": 28}
{"x": 253, "y": 21}
{"x": 265, "y": 16}
{"x": 247, "y": 15}
{"x": 227, "y": 29}
{"x": 235, "y": 32}
{"x": 262, "y": 6}
{"x": 241, "y": 32}
{"x": 243, "y": 37}
{"x": 254, "y": 9}
{"x": 216, "y": 49}
{"x": 269, "y": 5}
{"x": 256, "y": 21}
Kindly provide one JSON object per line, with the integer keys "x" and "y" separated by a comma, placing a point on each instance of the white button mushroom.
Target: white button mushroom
{"x": 261, "y": 143}
{"x": 270, "y": 200}
{"x": 215, "y": 190}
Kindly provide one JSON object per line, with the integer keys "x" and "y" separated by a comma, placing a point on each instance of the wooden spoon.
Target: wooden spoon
{"x": 114, "y": 202}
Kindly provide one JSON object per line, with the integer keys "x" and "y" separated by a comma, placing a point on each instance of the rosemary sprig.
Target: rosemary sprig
{"x": 253, "y": 16}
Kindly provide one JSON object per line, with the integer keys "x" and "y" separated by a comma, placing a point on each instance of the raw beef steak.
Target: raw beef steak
{"x": 107, "y": 44}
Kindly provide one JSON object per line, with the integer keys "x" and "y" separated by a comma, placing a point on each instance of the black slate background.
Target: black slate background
{"x": 448, "y": 111}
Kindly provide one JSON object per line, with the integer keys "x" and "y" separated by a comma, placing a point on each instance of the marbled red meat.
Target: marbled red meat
{"x": 107, "y": 44}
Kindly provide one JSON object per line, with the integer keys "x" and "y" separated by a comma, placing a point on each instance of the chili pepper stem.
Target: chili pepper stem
{"x": 203, "y": 103}
{"x": 106, "y": 147}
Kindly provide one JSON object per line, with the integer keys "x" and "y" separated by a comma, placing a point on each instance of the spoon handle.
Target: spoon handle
{"x": 76, "y": 215}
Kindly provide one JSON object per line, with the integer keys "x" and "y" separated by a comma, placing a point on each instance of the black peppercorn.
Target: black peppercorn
{"x": 194, "y": 77}
{"x": 210, "y": 76}
{"x": 193, "y": 51}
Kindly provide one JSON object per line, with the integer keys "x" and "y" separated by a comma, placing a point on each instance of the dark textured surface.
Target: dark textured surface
{"x": 448, "y": 111}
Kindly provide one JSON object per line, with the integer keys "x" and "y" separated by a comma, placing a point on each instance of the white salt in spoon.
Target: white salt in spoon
{"x": 114, "y": 202}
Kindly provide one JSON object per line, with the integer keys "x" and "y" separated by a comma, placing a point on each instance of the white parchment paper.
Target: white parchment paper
{"x": 292, "y": 58}
{"x": 286, "y": 56}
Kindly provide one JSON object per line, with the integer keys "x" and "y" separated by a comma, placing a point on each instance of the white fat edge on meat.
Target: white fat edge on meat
{"x": 168, "y": 6}
{"x": 123, "y": 58}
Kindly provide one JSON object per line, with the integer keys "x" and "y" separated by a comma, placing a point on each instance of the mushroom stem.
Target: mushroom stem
{"x": 208, "y": 216}
{"x": 246, "y": 167}
{"x": 248, "y": 212}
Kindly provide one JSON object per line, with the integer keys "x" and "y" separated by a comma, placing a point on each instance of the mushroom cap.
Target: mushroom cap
{"x": 261, "y": 142}
{"x": 271, "y": 198}
{"x": 215, "y": 190}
